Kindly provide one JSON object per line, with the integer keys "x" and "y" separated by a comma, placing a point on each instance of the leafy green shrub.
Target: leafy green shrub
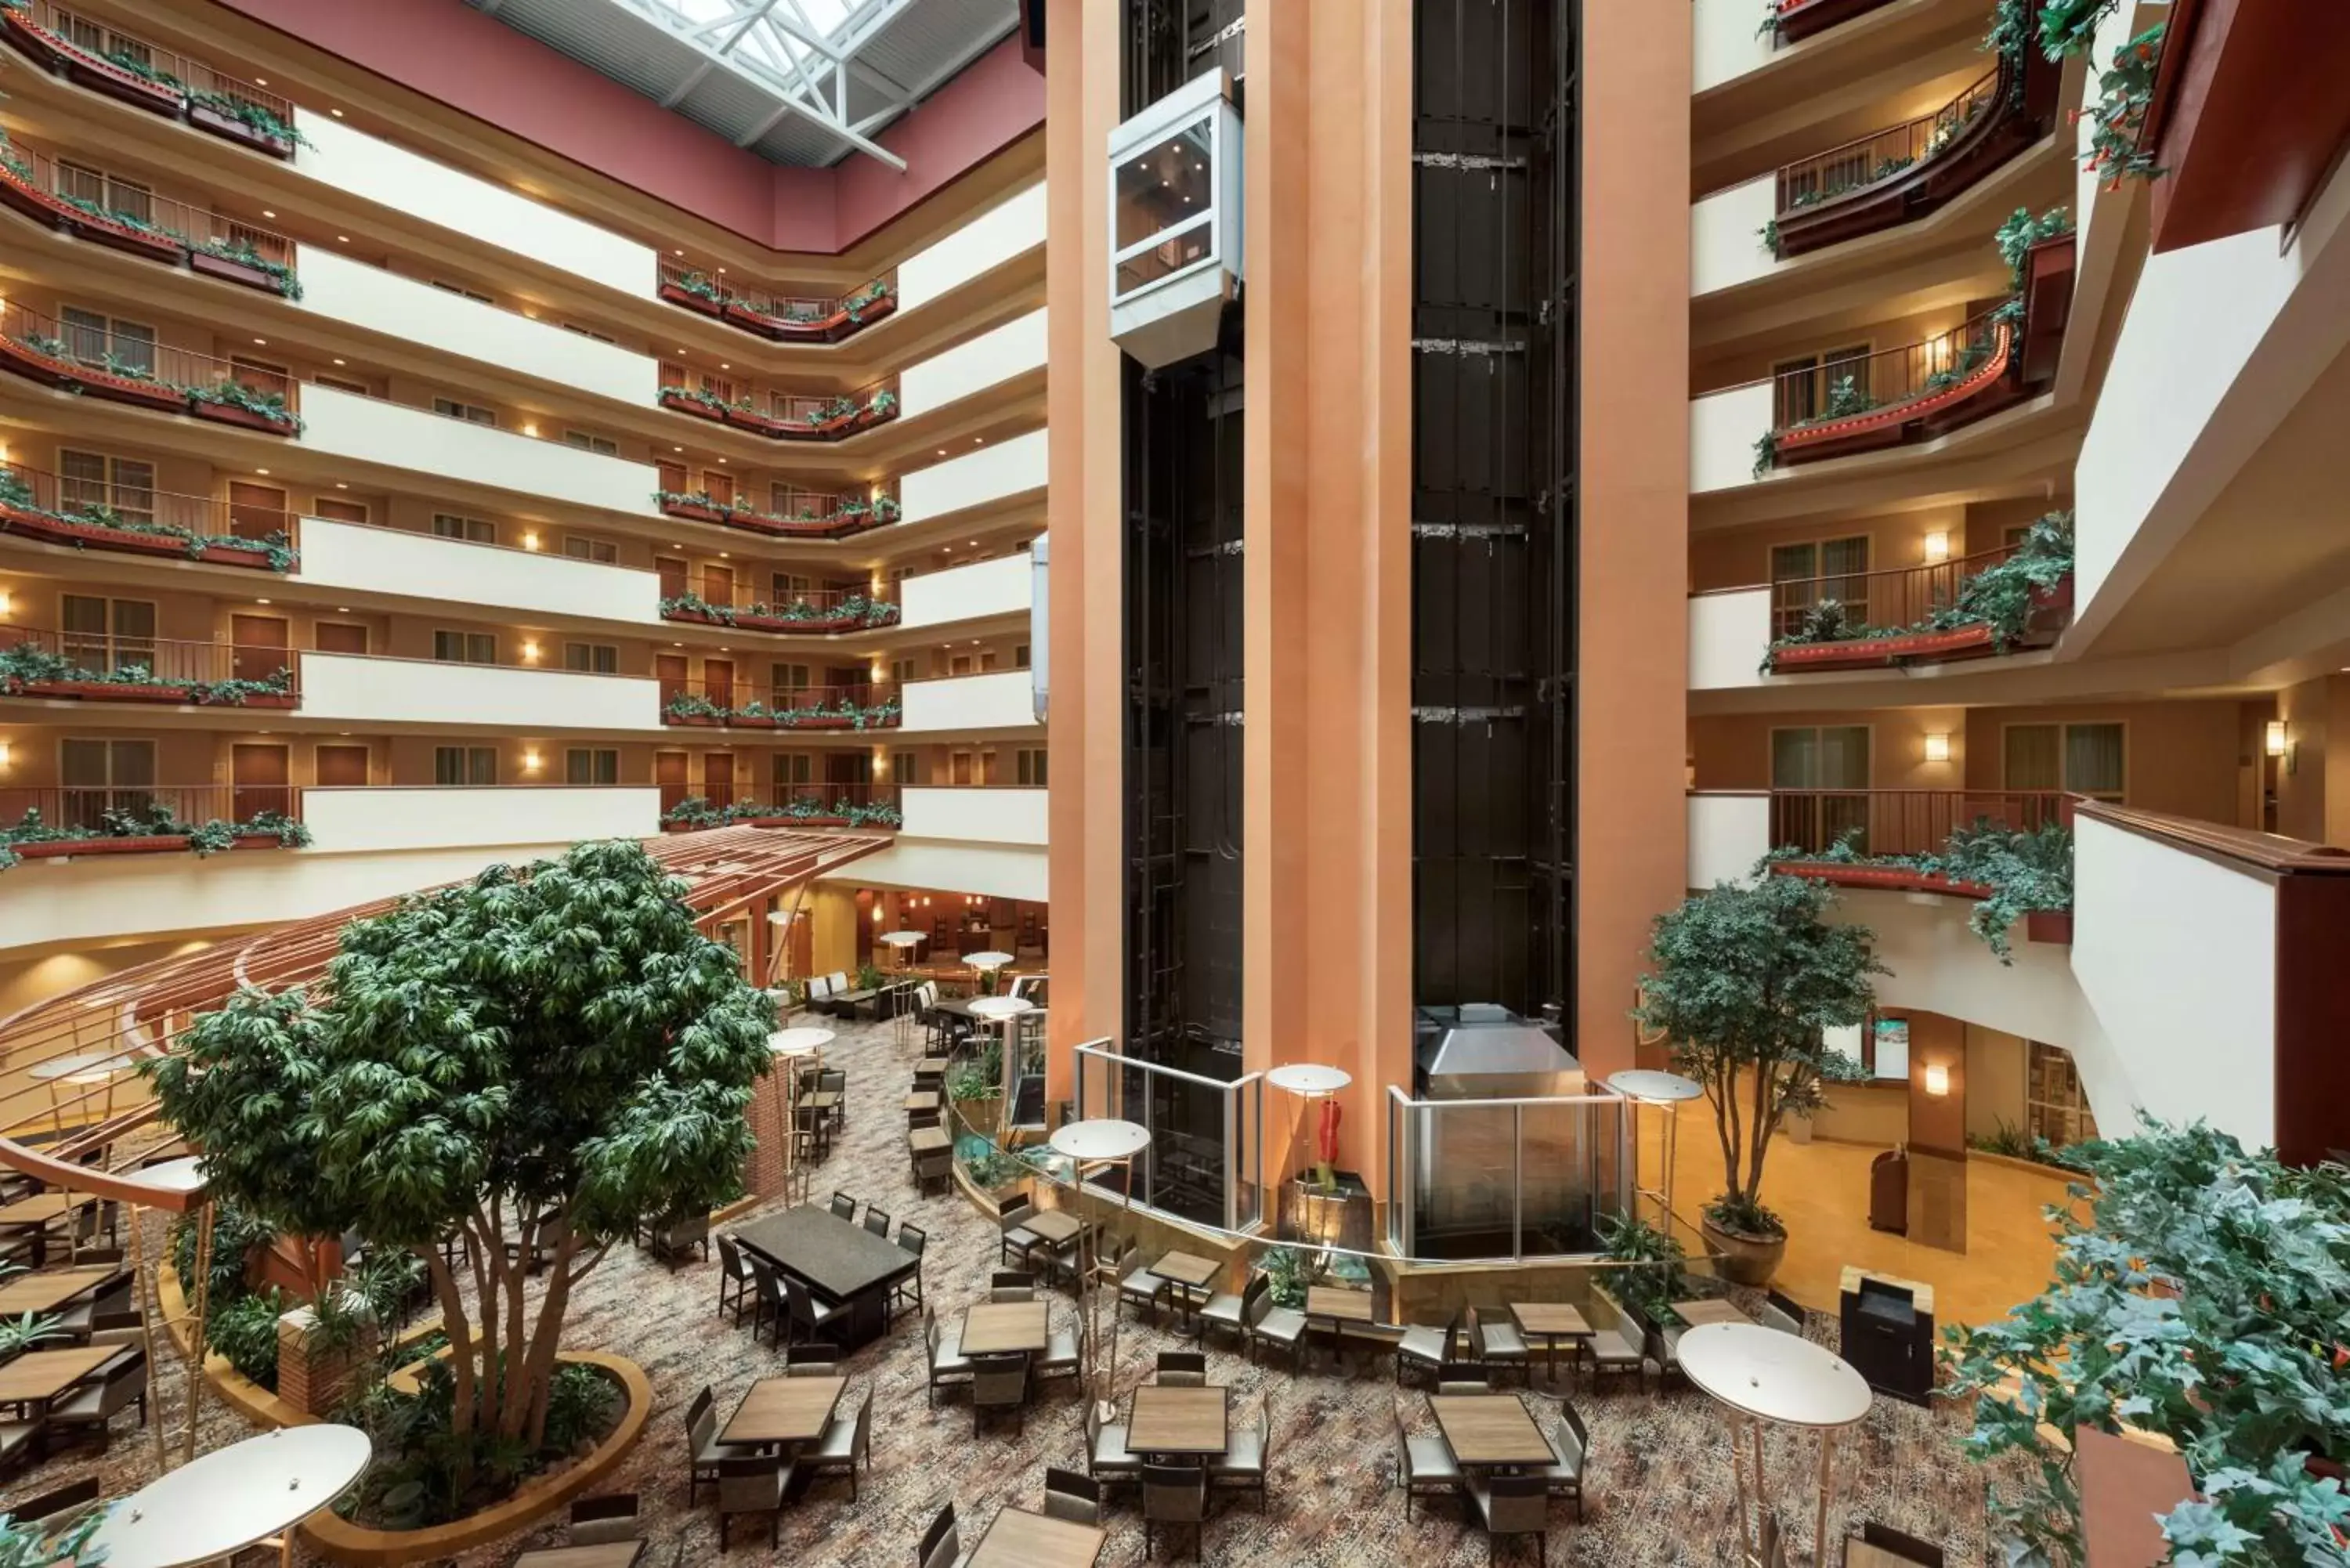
{"x": 1651, "y": 1275}
{"x": 244, "y": 1332}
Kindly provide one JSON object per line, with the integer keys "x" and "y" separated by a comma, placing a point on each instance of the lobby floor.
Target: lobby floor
{"x": 1821, "y": 1191}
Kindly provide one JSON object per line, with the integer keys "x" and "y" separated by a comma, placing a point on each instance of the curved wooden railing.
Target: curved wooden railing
{"x": 106, "y": 354}
{"x": 1795, "y": 20}
{"x": 1904, "y": 821}
{"x": 2246, "y": 848}
{"x": 1895, "y": 595}
{"x": 1883, "y": 154}
{"x": 131, "y": 61}
{"x": 785, "y": 318}
{"x": 96, "y": 656}
{"x": 144, "y": 222}
{"x": 35, "y": 504}
{"x": 94, "y": 1137}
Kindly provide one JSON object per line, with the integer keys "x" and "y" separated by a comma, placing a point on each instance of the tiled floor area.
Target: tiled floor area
{"x": 1660, "y": 1487}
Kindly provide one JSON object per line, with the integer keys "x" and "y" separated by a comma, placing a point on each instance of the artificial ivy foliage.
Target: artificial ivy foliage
{"x": 2003, "y": 597}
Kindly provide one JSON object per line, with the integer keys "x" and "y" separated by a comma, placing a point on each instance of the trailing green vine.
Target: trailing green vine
{"x": 865, "y": 611}
{"x": 28, "y": 663}
{"x": 2124, "y": 93}
{"x": 230, "y": 392}
{"x": 157, "y": 820}
{"x": 15, "y": 495}
{"x": 2023, "y": 873}
{"x": 2003, "y": 597}
{"x": 242, "y": 253}
{"x": 698, "y": 812}
{"x": 258, "y": 118}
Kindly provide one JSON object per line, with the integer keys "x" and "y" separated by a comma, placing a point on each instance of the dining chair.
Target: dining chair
{"x": 772, "y": 1308}
{"x": 876, "y": 1221}
{"x": 844, "y": 1207}
{"x": 807, "y": 1312}
{"x": 948, "y": 1364}
{"x": 1782, "y": 1313}
{"x": 1424, "y": 1464}
{"x": 755, "y": 1483}
{"x": 907, "y": 1293}
{"x": 601, "y": 1520}
{"x": 1427, "y": 1349}
{"x": 1275, "y": 1325}
{"x": 1073, "y": 1497}
{"x": 1176, "y": 1495}
{"x": 835, "y": 1081}
{"x": 1513, "y": 1505}
{"x": 71, "y": 1498}
{"x": 735, "y": 1287}
{"x": 1107, "y": 1459}
{"x": 812, "y": 1361}
{"x": 847, "y": 1443}
{"x": 941, "y": 1545}
{"x": 1246, "y": 1462}
{"x": 934, "y": 1166}
{"x": 1464, "y": 1377}
{"x": 1012, "y": 1222}
{"x": 1137, "y": 1286}
{"x": 1570, "y": 1446}
{"x": 1236, "y": 1310}
{"x": 1495, "y": 1339}
{"x": 87, "y": 1410}
{"x": 703, "y": 1451}
{"x": 999, "y": 1382}
{"x": 1182, "y": 1369}
{"x": 1011, "y": 1286}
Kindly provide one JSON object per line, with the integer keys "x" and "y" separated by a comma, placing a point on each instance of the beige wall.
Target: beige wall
{"x": 2312, "y": 782}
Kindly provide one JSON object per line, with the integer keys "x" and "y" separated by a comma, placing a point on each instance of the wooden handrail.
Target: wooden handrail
{"x": 166, "y": 217}
{"x": 1887, "y": 377}
{"x": 168, "y": 364}
{"x": 192, "y": 74}
{"x": 1862, "y": 162}
{"x": 2247, "y": 848}
{"x": 1884, "y": 596}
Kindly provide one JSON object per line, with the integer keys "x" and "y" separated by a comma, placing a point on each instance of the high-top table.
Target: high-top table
{"x": 230, "y": 1498}
{"x": 1758, "y": 1374}
{"x": 844, "y": 1263}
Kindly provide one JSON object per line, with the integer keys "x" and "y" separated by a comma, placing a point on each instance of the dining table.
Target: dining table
{"x": 1490, "y": 1431}
{"x": 602, "y": 1555}
{"x": 1550, "y": 1321}
{"x": 1191, "y": 1274}
{"x": 838, "y": 1261}
{"x": 929, "y": 1140}
{"x": 37, "y": 1376}
{"x": 51, "y": 1289}
{"x": 1193, "y": 1421}
{"x": 1336, "y": 1306}
{"x": 784, "y": 1410}
{"x": 1017, "y": 1538}
{"x": 1704, "y": 1310}
{"x": 40, "y": 1212}
{"x": 991, "y": 1328}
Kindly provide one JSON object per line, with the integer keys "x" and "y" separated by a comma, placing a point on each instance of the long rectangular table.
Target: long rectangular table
{"x": 842, "y": 1262}
{"x": 1020, "y": 1539}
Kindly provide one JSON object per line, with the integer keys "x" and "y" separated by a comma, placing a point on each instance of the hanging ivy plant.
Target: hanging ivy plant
{"x": 258, "y": 118}
{"x": 242, "y": 253}
{"x": 2125, "y": 92}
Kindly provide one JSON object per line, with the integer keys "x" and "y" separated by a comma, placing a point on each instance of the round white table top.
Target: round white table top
{"x": 185, "y": 1173}
{"x": 990, "y": 959}
{"x": 1308, "y": 1078}
{"x": 233, "y": 1497}
{"x": 1774, "y": 1376}
{"x": 1000, "y": 1006}
{"x": 93, "y": 1067}
{"x": 1102, "y": 1137}
{"x": 898, "y": 938}
{"x": 1654, "y": 1088}
{"x": 803, "y": 1041}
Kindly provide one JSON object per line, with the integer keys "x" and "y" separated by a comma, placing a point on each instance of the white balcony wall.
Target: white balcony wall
{"x": 929, "y": 865}
{"x": 343, "y": 820}
{"x": 369, "y": 429}
{"x": 1728, "y": 42}
{"x": 390, "y": 560}
{"x": 374, "y": 170}
{"x": 1728, "y": 832}
{"x": 1727, "y": 635}
{"x": 1723, "y": 428}
{"x": 336, "y": 286}
{"x": 976, "y": 815}
{"x": 1001, "y": 699}
{"x": 1004, "y": 231}
{"x": 1726, "y": 235}
{"x": 2220, "y": 343}
{"x": 1000, "y": 586}
{"x": 990, "y": 473}
{"x": 2179, "y": 956}
{"x": 359, "y": 690}
{"x": 983, "y": 361}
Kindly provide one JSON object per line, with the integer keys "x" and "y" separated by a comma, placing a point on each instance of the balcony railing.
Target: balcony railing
{"x": 113, "y": 819}
{"x": 1899, "y": 595}
{"x": 1904, "y": 821}
{"x": 747, "y": 705}
{"x": 125, "y": 67}
{"x": 784, "y": 415}
{"x": 103, "y": 362}
{"x": 91, "y": 515}
{"x": 105, "y": 667}
{"x": 1792, "y": 21}
{"x": 712, "y": 496}
{"x": 104, "y": 210}
{"x": 1916, "y": 391}
{"x": 1863, "y": 162}
{"x": 817, "y": 802}
{"x": 727, "y": 600}
{"x": 786, "y": 318}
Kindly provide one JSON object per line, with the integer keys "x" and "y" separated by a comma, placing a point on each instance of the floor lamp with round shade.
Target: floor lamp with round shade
{"x": 1309, "y": 1082}
{"x": 1646, "y": 1086}
{"x": 232, "y": 1498}
{"x": 987, "y": 962}
{"x": 1098, "y": 1141}
{"x": 1762, "y": 1376}
{"x": 791, "y": 1047}
{"x": 901, "y": 943}
{"x": 184, "y": 1176}
{"x": 1000, "y": 1011}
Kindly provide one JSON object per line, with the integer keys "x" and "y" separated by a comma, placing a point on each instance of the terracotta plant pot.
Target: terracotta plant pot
{"x": 700, "y": 304}
{"x": 231, "y": 128}
{"x": 692, "y": 512}
{"x": 103, "y": 75}
{"x": 2054, "y": 927}
{"x": 234, "y": 272}
{"x": 124, "y": 390}
{"x": 1745, "y": 1260}
{"x": 117, "y": 236}
{"x": 230, "y": 414}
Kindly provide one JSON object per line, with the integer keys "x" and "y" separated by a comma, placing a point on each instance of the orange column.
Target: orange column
{"x": 1082, "y": 515}
{"x": 1631, "y": 672}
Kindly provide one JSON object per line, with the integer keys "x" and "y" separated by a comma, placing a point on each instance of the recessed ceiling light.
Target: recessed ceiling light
{"x": 263, "y": 471}
{"x": 340, "y": 485}
{"x": 677, "y": 253}
{"x": 342, "y": 239}
{"x": 267, "y": 214}
{"x": 261, "y": 343}
{"x": 343, "y": 609}
{"x": 261, "y": 81}
{"x": 336, "y": 112}
{"x": 725, "y": 366}
{"x": 942, "y": 451}
{"x": 978, "y": 441}
{"x": 261, "y": 601}
{"x": 677, "y": 449}
{"x": 338, "y": 361}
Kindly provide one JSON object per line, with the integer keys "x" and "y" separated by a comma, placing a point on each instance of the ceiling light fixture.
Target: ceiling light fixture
{"x": 267, "y": 214}
{"x": 336, "y": 112}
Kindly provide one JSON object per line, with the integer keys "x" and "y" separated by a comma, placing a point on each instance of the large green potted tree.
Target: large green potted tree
{"x": 533, "y": 1062}
{"x": 1745, "y": 980}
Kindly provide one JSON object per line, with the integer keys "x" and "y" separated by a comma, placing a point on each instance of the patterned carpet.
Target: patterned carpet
{"x": 1659, "y": 1484}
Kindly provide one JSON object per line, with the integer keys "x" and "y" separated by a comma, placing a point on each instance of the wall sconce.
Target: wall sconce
{"x": 880, "y": 768}
{"x": 1938, "y": 748}
{"x": 530, "y": 430}
{"x": 2272, "y": 738}
{"x": 7, "y": 603}
{"x": 5, "y": 752}
{"x": 877, "y": 913}
{"x": 1938, "y": 1079}
{"x": 530, "y": 653}
{"x": 530, "y": 761}
{"x": 1938, "y": 547}
{"x": 530, "y": 541}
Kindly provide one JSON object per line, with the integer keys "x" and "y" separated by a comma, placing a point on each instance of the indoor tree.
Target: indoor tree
{"x": 2206, "y": 1298}
{"x": 1745, "y": 979}
{"x": 532, "y": 1063}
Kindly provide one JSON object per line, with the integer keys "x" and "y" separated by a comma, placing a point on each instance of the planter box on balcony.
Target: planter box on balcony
{"x": 698, "y": 721}
{"x": 1801, "y": 20}
{"x": 754, "y": 421}
{"x": 235, "y": 272}
{"x": 738, "y": 314}
{"x": 105, "y": 76}
{"x": 66, "y": 848}
{"x": 233, "y": 555}
{"x": 680, "y": 402}
{"x": 751, "y": 721}
{"x": 230, "y": 414}
{"x": 1879, "y": 652}
{"x": 126, "y": 390}
{"x": 19, "y": 192}
{"x": 693, "y": 511}
{"x": 2054, "y": 927}
{"x": 18, "y": 29}
{"x": 1892, "y": 878}
{"x": 828, "y": 723}
{"x": 701, "y": 304}
{"x": 867, "y": 315}
{"x": 803, "y": 329}
{"x": 105, "y": 692}
{"x": 58, "y": 531}
{"x": 121, "y": 237}
{"x": 231, "y": 128}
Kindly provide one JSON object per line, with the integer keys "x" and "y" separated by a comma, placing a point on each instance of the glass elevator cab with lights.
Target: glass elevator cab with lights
{"x": 1175, "y": 222}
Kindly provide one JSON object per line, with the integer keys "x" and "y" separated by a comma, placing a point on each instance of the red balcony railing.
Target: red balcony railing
{"x": 1793, "y": 21}
{"x": 1898, "y": 597}
{"x": 111, "y": 516}
{"x": 786, "y": 416}
{"x": 105, "y": 666}
{"x": 713, "y": 495}
{"x": 107, "y": 363}
{"x": 786, "y": 318}
{"x": 126, "y": 67}
{"x": 722, "y": 599}
{"x": 1904, "y": 821}
{"x": 744, "y": 704}
{"x": 1883, "y": 155}
{"x": 117, "y": 812}
{"x": 89, "y": 202}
